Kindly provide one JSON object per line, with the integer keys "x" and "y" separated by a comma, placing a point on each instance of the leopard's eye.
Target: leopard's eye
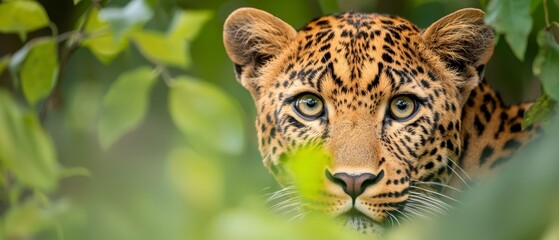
{"x": 402, "y": 107}
{"x": 309, "y": 106}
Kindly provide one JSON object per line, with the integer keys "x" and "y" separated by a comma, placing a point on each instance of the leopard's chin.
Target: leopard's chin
{"x": 361, "y": 223}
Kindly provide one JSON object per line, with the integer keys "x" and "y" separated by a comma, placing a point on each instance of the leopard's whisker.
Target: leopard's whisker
{"x": 393, "y": 217}
{"x": 437, "y": 184}
{"x": 404, "y": 215}
{"x": 434, "y": 192}
{"x": 435, "y": 201}
{"x": 459, "y": 168}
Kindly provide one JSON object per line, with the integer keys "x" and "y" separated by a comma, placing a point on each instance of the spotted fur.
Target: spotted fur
{"x": 356, "y": 63}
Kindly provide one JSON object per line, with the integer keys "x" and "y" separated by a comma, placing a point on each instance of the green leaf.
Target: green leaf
{"x": 306, "y": 166}
{"x": 25, "y": 148}
{"x": 15, "y": 64}
{"x": 512, "y": 19}
{"x": 22, "y": 17}
{"x": 188, "y": 169}
{"x": 39, "y": 71}
{"x": 206, "y": 115}
{"x": 4, "y": 62}
{"x": 76, "y": 2}
{"x": 31, "y": 217}
{"x": 103, "y": 44}
{"x": 125, "y": 104}
{"x": 163, "y": 49}
{"x": 540, "y": 112}
{"x": 550, "y": 68}
{"x": 187, "y": 24}
{"x": 329, "y": 6}
{"x": 122, "y": 20}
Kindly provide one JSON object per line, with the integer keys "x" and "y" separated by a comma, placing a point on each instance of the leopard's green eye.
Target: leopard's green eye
{"x": 402, "y": 107}
{"x": 309, "y": 106}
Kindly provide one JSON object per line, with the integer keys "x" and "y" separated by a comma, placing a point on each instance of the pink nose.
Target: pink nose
{"x": 354, "y": 184}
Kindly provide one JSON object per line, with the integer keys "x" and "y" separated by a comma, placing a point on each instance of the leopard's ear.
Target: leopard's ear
{"x": 251, "y": 38}
{"x": 464, "y": 43}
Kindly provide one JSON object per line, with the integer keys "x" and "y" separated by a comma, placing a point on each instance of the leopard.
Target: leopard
{"x": 404, "y": 114}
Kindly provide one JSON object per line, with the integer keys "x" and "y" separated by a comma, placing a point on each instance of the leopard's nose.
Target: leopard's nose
{"x": 354, "y": 184}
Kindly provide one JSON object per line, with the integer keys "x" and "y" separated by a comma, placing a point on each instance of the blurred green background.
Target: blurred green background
{"x": 146, "y": 185}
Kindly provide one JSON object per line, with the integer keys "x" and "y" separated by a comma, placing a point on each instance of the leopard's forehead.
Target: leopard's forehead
{"x": 354, "y": 58}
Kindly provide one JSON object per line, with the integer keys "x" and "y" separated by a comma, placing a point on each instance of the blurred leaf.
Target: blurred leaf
{"x": 103, "y": 43}
{"x": 511, "y": 18}
{"x": 540, "y": 112}
{"x": 198, "y": 178}
{"x": 4, "y": 64}
{"x": 122, "y": 20}
{"x": 187, "y": 24}
{"x": 160, "y": 48}
{"x": 21, "y": 222}
{"x": 206, "y": 115}
{"x": 249, "y": 224}
{"x": 125, "y": 104}
{"x": 15, "y": 64}
{"x": 307, "y": 168}
{"x": 329, "y": 6}
{"x": 39, "y": 71}
{"x": 494, "y": 211}
{"x": 550, "y": 68}
{"x": 25, "y": 149}
{"x": 21, "y": 17}
{"x": 76, "y": 2}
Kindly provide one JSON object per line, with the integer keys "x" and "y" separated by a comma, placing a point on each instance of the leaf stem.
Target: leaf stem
{"x": 546, "y": 14}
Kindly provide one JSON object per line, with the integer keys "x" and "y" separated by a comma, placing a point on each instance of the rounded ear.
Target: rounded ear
{"x": 464, "y": 43}
{"x": 251, "y": 37}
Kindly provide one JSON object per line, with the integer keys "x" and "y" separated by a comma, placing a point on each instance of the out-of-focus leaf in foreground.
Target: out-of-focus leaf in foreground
{"x": 25, "y": 148}
{"x": 307, "y": 167}
{"x": 252, "y": 223}
{"x": 518, "y": 203}
{"x": 511, "y": 18}
{"x": 21, "y": 17}
{"x": 22, "y": 221}
{"x": 39, "y": 71}
{"x": 206, "y": 115}
{"x": 125, "y": 105}
{"x": 102, "y": 42}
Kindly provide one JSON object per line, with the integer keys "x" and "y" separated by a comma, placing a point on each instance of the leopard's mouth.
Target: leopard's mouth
{"x": 360, "y": 222}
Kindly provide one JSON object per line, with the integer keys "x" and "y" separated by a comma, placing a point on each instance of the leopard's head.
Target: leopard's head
{"x": 381, "y": 96}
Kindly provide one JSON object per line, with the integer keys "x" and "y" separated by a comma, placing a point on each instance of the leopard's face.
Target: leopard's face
{"x": 374, "y": 91}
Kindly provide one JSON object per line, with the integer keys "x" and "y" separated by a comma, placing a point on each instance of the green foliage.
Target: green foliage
{"x": 511, "y": 18}
{"x": 125, "y": 104}
{"x": 183, "y": 170}
{"x": 104, "y": 44}
{"x": 39, "y": 71}
{"x": 25, "y": 149}
{"x": 122, "y": 20}
{"x": 162, "y": 49}
{"x": 306, "y": 167}
{"x": 542, "y": 110}
{"x": 205, "y": 113}
{"x": 22, "y": 17}
{"x": 549, "y": 74}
